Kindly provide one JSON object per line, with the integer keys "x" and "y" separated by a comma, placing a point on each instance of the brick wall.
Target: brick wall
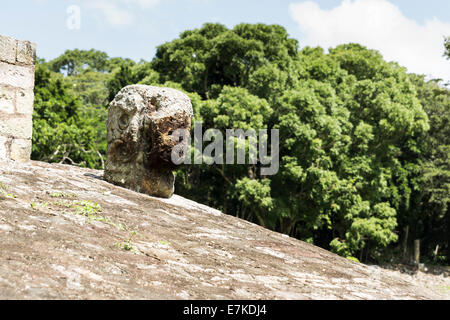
{"x": 17, "y": 60}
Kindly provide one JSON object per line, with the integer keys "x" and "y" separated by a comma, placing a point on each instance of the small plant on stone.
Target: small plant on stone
{"x": 4, "y": 191}
{"x": 3, "y": 186}
{"x": 87, "y": 208}
{"x": 35, "y": 205}
{"x": 127, "y": 244}
{"x": 164, "y": 243}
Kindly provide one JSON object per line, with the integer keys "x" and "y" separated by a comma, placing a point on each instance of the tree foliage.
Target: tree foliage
{"x": 429, "y": 217}
{"x": 206, "y": 59}
{"x": 363, "y": 144}
{"x": 347, "y": 121}
{"x": 60, "y": 133}
{"x": 73, "y": 62}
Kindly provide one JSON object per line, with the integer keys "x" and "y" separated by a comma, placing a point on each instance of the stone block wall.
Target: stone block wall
{"x": 17, "y": 59}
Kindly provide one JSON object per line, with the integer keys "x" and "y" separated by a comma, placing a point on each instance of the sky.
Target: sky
{"x": 410, "y": 32}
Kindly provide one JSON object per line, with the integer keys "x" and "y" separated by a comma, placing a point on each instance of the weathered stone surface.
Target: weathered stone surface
{"x": 140, "y": 122}
{"x": 4, "y": 154}
{"x": 17, "y": 126}
{"x": 16, "y": 76}
{"x": 26, "y": 53}
{"x": 8, "y": 49}
{"x": 17, "y": 60}
{"x": 135, "y": 246}
{"x": 20, "y": 150}
{"x": 7, "y": 99}
{"x": 25, "y": 101}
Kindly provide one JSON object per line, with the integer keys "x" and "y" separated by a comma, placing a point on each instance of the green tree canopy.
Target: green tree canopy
{"x": 363, "y": 145}
{"x": 206, "y": 59}
{"x": 60, "y": 134}
{"x": 429, "y": 217}
{"x": 76, "y": 61}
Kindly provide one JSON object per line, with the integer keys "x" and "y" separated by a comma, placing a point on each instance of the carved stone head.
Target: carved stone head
{"x": 141, "y": 120}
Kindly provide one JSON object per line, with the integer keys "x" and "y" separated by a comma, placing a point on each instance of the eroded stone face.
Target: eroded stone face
{"x": 141, "y": 120}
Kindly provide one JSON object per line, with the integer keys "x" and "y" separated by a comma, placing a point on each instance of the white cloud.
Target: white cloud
{"x": 380, "y": 25}
{"x": 113, "y": 14}
{"x": 145, "y": 3}
{"x": 119, "y": 12}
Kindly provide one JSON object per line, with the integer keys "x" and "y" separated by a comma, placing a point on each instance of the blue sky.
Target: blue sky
{"x": 407, "y": 31}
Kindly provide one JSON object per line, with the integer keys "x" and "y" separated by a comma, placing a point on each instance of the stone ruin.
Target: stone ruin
{"x": 17, "y": 59}
{"x": 81, "y": 259}
{"x": 141, "y": 120}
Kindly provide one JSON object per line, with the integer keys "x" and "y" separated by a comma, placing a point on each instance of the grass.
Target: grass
{"x": 62, "y": 203}
{"x": 85, "y": 208}
{"x": 92, "y": 211}
{"x": 4, "y": 191}
{"x": 89, "y": 209}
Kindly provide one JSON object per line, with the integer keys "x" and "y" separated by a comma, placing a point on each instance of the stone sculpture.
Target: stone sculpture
{"x": 141, "y": 120}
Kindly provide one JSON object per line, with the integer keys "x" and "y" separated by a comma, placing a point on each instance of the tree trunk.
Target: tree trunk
{"x": 260, "y": 219}
{"x": 405, "y": 242}
{"x": 417, "y": 251}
